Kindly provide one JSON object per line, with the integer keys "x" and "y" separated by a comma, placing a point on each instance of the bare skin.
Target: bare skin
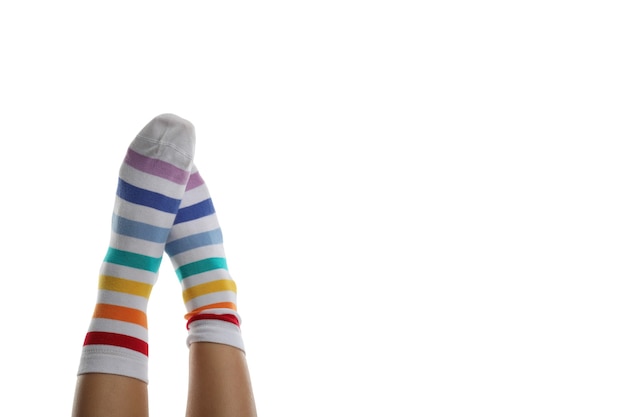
{"x": 219, "y": 386}
{"x": 219, "y": 382}
{"x": 105, "y": 395}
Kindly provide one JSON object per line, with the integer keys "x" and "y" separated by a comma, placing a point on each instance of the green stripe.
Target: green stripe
{"x": 132, "y": 260}
{"x": 199, "y": 267}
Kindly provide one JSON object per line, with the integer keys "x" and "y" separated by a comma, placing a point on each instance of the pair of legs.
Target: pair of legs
{"x": 219, "y": 385}
{"x": 163, "y": 206}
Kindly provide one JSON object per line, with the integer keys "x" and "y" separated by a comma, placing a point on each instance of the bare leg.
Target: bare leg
{"x": 105, "y": 395}
{"x": 219, "y": 382}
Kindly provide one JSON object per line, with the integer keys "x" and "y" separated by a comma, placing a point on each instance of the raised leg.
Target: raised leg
{"x": 113, "y": 370}
{"x": 219, "y": 381}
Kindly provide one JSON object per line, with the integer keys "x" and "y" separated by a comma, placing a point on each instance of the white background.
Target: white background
{"x": 422, "y": 202}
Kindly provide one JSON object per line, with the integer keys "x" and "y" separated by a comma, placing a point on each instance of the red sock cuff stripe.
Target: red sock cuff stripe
{"x": 224, "y": 317}
{"x": 115, "y": 339}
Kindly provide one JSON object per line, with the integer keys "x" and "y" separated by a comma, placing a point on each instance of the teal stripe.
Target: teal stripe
{"x": 132, "y": 260}
{"x": 199, "y": 267}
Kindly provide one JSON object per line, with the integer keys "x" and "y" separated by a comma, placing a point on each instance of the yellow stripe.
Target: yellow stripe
{"x": 125, "y": 286}
{"x": 209, "y": 287}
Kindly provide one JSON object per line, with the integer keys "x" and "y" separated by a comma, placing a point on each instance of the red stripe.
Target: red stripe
{"x": 115, "y": 339}
{"x": 224, "y": 317}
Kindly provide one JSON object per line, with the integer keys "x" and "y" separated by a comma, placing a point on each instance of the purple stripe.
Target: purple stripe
{"x": 156, "y": 167}
{"x": 195, "y": 180}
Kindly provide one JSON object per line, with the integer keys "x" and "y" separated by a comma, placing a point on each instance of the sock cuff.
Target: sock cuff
{"x": 113, "y": 360}
{"x": 215, "y": 331}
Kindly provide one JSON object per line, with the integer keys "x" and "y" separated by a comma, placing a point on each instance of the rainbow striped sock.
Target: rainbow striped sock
{"x": 196, "y": 250}
{"x": 151, "y": 184}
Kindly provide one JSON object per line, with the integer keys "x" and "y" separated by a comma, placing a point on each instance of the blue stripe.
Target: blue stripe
{"x": 184, "y": 244}
{"x": 139, "y": 230}
{"x": 201, "y": 209}
{"x": 147, "y": 198}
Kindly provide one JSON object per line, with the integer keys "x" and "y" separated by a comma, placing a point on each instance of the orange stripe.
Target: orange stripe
{"x": 113, "y": 312}
{"x": 225, "y": 304}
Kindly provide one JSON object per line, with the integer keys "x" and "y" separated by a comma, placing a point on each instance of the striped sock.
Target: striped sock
{"x": 196, "y": 250}
{"x": 151, "y": 184}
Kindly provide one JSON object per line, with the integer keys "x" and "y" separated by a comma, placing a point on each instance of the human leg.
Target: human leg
{"x": 108, "y": 395}
{"x": 113, "y": 369}
{"x": 219, "y": 382}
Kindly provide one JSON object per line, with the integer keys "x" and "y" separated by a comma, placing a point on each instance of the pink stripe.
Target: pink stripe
{"x": 156, "y": 167}
{"x": 195, "y": 180}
